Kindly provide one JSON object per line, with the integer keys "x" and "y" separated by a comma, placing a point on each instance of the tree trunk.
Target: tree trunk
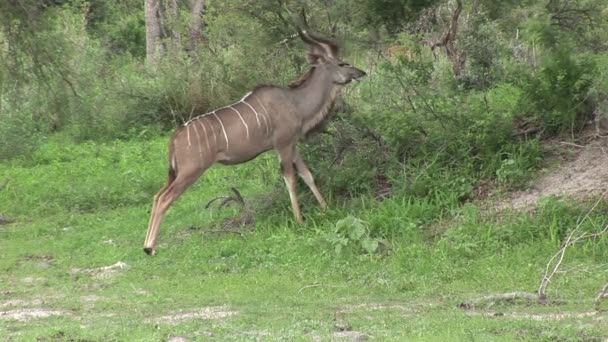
{"x": 154, "y": 47}
{"x": 196, "y": 24}
{"x": 173, "y": 17}
{"x": 457, "y": 57}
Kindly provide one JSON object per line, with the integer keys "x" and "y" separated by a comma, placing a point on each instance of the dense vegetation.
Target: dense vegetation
{"x": 459, "y": 98}
{"x": 514, "y": 72}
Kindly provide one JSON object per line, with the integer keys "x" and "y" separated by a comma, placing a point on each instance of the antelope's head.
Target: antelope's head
{"x": 324, "y": 54}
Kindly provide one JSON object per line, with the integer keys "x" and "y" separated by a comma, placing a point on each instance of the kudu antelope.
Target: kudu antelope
{"x": 269, "y": 117}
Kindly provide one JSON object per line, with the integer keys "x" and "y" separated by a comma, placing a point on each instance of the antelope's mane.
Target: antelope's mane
{"x": 302, "y": 78}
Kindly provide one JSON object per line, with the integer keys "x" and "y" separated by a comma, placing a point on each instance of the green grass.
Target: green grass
{"x": 86, "y": 206}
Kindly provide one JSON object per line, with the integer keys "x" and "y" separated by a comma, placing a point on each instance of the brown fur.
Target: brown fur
{"x": 302, "y": 79}
{"x": 269, "y": 118}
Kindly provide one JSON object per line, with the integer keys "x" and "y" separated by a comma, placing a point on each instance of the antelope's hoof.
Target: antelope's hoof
{"x": 150, "y": 251}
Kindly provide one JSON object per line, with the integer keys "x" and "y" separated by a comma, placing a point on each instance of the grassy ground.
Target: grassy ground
{"x": 78, "y": 208}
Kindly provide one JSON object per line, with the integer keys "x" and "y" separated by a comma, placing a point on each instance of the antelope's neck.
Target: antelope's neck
{"x": 314, "y": 99}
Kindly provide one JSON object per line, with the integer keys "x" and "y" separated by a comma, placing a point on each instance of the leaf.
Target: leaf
{"x": 369, "y": 245}
{"x": 344, "y": 223}
{"x": 356, "y": 231}
{"x": 338, "y": 248}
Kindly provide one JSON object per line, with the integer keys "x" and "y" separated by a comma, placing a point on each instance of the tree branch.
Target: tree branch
{"x": 556, "y": 260}
{"x": 603, "y": 294}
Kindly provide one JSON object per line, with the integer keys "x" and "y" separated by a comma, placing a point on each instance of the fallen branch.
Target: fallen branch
{"x": 603, "y": 294}
{"x": 225, "y": 199}
{"x": 117, "y": 266}
{"x": 286, "y": 40}
{"x": 532, "y": 130}
{"x": 217, "y": 231}
{"x": 4, "y": 184}
{"x": 448, "y": 40}
{"x": 5, "y": 219}
{"x": 502, "y": 297}
{"x": 571, "y": 144}
{"x": 309, "y": 286}
{"x": 556, "y": 260}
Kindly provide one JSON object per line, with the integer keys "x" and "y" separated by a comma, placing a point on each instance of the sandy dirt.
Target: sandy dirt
{"x": 583, "y": 174}
{"x": 205, "y": 313}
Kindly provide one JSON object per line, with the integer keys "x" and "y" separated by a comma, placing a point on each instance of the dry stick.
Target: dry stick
{"x": 552, "y": 266}
{"x": 225, "y": 199}
{"x": 4, "y": 219}
{"x": 317, "y": 285}
{"x": 498, "y": 297}
{"x": 309, "y": 286}
{"x": 4, "y": 184}
{"x": 571, "y": 144}
{"x": 601, "y": 296}
{"x": 569, "y": 242}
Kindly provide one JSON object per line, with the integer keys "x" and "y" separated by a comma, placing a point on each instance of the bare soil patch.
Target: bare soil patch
{"x": 349, "y": 336}
{"x": 27, "y": 314}
{"x": 583, "y": 174}
{"x": 375, "y": 307}
{"x": 555, "y": 316}
{"x": 19, "y": 303}
{"x": 211, "y": 312}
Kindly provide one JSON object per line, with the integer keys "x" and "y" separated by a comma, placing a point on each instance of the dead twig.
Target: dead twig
{"x": 4, "y": 184}
{"x": 448, "y": 40}
{"x": 287, "y": 39}
{"x": 317, "y": 285}
{"x": 571, "y": 144}
{"x": 5, "y": 219}
{"x": 225, "y": 199}
{"x": 603, "y": 294}
{"x": 501, "y": 297}
{"x": 309, "y": 286}
{"x": 217, "y": 231}
{"x": 117, "y": 266}
{"x": 556, "y": 260}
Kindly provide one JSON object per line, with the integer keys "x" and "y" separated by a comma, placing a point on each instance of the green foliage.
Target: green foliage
{"x": 484, "y": 43}
{"x": 57, "y": 250}
{"x": 394, "y": 14}
{"x": 517, "y": 165}
{"x": 84, "y": 125}
{"x": 352, "y": 232}
{"x": 557, "y": 96}
{"x": 551, "y": 224}
{"x": 118, "y": 25}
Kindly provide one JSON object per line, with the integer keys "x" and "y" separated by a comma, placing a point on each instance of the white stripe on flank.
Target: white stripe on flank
{"x": 265, "y": 111}
{"x": 224, "y": 130}
{"x": 213, "y": 131}
{"x": 244, "y": 97}
{"x": 188, "y": 134}
{"x": 257, "y": 115}
{"x": 190, "y": 116}
{"x": 198, "y": 140}
{"x": 205, "y": 132}
{"x": 213, "y": 112}
{"x": 242, "y": 120}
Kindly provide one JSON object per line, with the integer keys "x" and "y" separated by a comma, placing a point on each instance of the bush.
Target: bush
{"x": 557, "y": 95}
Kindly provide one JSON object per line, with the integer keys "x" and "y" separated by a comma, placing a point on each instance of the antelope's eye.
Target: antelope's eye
{"x": 343, "y": 64}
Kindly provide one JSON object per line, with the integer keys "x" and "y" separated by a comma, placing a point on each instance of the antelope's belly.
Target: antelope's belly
{"x": 241, "y": 153}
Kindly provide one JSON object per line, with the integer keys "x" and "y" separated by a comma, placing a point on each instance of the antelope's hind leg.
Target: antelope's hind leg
{"x": 306, "y": 175}
{"x": 162, "y": 200}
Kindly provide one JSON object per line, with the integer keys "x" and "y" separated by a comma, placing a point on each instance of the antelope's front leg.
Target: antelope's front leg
{"x": 289, "y": 175}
